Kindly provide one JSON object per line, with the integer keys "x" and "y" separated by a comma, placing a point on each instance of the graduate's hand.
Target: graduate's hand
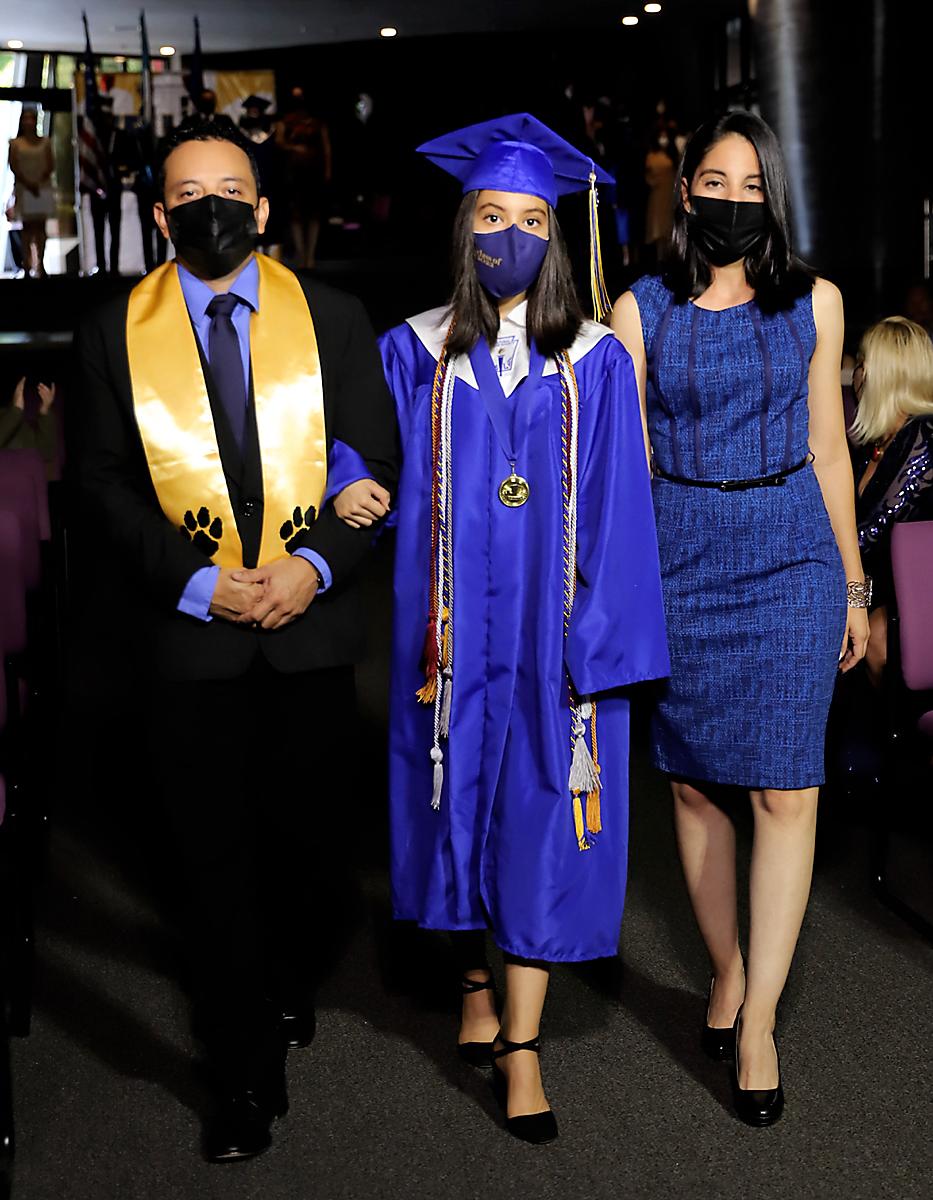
{"x": 288, "y": 587}
{"x": 232, "y": 598}
{"x": 362, "y": 503}
{"x": 19, "y": 395}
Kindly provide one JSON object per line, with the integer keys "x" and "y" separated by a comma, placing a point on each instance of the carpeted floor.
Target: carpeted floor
{"x": 380, "y": 1106}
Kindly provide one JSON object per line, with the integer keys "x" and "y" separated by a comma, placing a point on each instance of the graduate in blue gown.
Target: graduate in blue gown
{"x": 527, "y": 594}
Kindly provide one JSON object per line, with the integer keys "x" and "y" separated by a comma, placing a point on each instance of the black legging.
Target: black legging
{"x": 469, "y": 946}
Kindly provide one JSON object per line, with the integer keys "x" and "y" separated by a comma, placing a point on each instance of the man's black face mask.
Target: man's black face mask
{"x": 213, "y": 235}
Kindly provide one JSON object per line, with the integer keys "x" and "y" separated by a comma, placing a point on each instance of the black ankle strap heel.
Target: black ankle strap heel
{"x": 476, "y": 1054}
{"x": 470, "y": 986}
{"x": 535, "y": 1128}
{"x": 534, "y": 1045}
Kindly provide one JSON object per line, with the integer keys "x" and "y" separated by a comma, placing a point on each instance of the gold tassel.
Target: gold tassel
{"x": 428, "y": 693}
{"x": 445, "y": 638}
{"x": 593, "y": 818}
{"x": 598, "y": 292}
{"x": 582, "y": 843}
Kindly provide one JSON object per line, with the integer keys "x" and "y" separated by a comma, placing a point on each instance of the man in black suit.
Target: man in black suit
{"x": 212, "y": 396}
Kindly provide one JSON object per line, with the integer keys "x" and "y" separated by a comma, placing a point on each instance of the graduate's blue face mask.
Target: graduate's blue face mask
{"x": 508, "y": 261}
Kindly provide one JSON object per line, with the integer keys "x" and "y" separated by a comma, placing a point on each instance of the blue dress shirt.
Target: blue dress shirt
{"x": 199, "y": 590}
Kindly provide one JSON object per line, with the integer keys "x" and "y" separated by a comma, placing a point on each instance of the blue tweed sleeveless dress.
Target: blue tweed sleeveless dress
{"x": 754, "y": 588}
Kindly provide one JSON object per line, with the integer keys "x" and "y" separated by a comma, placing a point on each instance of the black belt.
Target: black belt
{"x": 735, "y": 485}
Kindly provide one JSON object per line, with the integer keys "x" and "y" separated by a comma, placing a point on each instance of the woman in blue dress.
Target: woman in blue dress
{"x": 737, "y": 350}
{"x": 525, "y": 538}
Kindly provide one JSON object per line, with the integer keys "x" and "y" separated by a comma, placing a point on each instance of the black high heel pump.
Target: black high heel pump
{"x": 536, "y": 1128}
{"x": 718, "y": 1043}
{"x": 758, "y": 1107}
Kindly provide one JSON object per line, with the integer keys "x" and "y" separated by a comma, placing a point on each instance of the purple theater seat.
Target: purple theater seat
{"x": 912, "y": 566}
{"x": 30, "y": 464}
{"x": 12, "y": 586}
{"x": 18, "y": 496}
{"x": 3, "y": 708}
{"x": 12, "y": 615}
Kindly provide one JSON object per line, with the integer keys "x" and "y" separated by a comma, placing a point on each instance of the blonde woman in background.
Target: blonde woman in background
{"x": 893, "y": 432}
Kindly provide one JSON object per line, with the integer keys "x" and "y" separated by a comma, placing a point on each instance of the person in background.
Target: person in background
{"x": 206, "y": 104}
{"x": 107, "y": 205}
{"x": 918, "y": 305}
{"x": 257, "y": 124}
{"x": 305, "y": 139}
{"x": 893, "y": 433}
{"x": 22, "y": 430}
{"x": 33, "y": 165}
{"x": 659, "y": 177}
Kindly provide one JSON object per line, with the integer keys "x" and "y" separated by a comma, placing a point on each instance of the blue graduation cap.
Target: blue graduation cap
{"x": 519, "y": 153}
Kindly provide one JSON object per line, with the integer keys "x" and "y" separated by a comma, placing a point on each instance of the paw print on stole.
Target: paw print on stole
{"x": 300, "y": 523}
{"x": 205, "y": 531}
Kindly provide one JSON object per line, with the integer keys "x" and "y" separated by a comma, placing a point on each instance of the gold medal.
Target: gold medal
{"x": 514, "y": 491}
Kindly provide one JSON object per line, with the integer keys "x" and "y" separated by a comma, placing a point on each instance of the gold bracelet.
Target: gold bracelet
{"x": 858, "y": 592}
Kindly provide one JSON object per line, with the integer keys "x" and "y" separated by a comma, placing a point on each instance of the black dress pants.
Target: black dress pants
{"x": 244, "y": 767}
{"x": 107, "y": 211}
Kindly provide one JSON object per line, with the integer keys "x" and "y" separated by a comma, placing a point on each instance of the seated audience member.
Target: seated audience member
{"x": 893, "y": 434}
{"x": 22, "y": 429}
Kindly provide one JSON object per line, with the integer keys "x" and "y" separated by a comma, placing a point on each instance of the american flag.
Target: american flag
{"x": 92, "y": 157}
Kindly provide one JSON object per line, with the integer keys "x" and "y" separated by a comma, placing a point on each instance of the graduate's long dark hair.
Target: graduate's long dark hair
{"x": 772, "y": 269}
{"x": 554, "y": 313}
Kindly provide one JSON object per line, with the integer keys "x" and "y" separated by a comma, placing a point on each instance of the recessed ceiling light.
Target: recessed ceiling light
{"x": 166, "y": 51}
{"x": 120, "y": 58}
{"x": 388, "y": 31}
{"x": 652, "y": 8}
{"x": 14, "y": 44}
{"x": 630, "y": 20}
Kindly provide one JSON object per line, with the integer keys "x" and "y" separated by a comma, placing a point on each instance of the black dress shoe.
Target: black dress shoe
{"x": 298, "y": 1026}
{"x": 718, "y": 1044}
{"x": 535, "y": 1128}
{"x": 477, "y": 1054}
{"x": 758, "y": 1107}
{"x": 240, "y": 1126}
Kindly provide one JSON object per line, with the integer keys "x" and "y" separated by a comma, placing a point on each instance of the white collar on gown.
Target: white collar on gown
{"x": 430, "y": 328}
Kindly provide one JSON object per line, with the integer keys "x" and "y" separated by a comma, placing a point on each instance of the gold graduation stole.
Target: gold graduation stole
{"x": 173, "y": 413}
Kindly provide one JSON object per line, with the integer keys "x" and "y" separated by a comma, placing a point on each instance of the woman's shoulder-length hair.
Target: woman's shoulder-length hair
{"x": 897, "y": 355}
{"x": 772, "y": 269}
{"x": 554, "y": 315}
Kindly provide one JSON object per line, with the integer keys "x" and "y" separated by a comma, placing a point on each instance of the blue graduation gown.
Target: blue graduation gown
{"x": 502, "y": 844}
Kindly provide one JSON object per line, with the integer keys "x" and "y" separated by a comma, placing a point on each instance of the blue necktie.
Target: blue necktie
{"x": 223, "y": 352}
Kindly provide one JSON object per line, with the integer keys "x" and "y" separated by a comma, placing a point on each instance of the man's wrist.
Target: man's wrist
{"x": 308, "y": 562}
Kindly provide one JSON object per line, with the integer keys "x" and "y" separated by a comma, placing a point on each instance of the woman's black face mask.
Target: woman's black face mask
{"x": 213, "y": 235}
{"x": 726, "y": 230}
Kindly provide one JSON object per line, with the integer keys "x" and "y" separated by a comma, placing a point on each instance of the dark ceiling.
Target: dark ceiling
{"x": 235, "y": 25}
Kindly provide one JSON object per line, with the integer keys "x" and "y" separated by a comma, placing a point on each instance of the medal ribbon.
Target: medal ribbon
{"x": 510, "y": 416}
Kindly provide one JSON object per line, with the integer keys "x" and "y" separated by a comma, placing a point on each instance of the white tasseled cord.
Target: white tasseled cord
{"x": 583, "y": 778}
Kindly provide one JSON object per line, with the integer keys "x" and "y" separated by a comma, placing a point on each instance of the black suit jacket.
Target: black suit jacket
{"x": 114, "y": 477}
